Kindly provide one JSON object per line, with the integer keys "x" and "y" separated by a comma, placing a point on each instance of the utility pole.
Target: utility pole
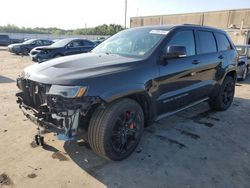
{"x": 125, "y": 24}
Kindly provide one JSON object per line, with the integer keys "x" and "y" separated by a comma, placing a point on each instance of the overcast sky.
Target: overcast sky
{"x": 71, "y": 14}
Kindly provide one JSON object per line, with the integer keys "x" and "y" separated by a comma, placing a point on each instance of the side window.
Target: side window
{"x": 46, "y": 42}
{"x": 88, "y": 43}
{"x": 248, "y": 52}
{"x": 75, "y": 44}
{"x": 207, "y": 42}
{"x": 184, "y": 38}
{"x": 39, "y": 42}
{"x": 222, "y": 42}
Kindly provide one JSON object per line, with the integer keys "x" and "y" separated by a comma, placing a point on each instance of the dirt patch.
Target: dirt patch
{"x": 32, "y": 175}
{"x": 33, "y": 144}
{"x": 5, "y": 180}
{"x": 59, "y": 155}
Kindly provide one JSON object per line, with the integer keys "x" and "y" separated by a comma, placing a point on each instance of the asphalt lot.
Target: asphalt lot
{"x": 194, "y": 148}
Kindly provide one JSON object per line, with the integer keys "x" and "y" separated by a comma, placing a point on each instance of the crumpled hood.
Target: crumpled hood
{"x": 46, "y": 48}
{"x": 74, "y": 69}
{"x": 16, "y": 44}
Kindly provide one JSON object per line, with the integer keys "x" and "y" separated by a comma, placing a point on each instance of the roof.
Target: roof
{"x": 170, "y": 27}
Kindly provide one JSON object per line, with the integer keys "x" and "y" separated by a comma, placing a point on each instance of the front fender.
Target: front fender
{"x": 116, "y": 93}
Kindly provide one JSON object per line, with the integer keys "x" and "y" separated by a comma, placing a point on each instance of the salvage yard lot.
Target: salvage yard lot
{"x": 194, "y": 148}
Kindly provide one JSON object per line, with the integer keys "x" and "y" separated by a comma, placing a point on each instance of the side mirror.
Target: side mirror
{"x": 175, "y": 52}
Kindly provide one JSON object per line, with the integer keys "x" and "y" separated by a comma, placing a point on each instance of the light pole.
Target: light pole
{"x": 125, "y": 24}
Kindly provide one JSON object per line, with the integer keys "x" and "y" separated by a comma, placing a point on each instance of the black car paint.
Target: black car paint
{"x": 166, "y": 85}
{"x": 5, "y": 40}
{"x": 26, "y": 48}
{"x": 45, "y": 53}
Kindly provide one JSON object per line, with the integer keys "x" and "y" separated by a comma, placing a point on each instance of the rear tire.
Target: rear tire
{"x": 115, "y": 131}
{"x": 225, "y": 95}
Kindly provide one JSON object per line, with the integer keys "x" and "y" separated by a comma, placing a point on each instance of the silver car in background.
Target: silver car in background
{"x": 244, "y": 61}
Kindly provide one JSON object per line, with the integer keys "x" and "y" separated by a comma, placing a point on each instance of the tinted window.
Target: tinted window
{"x": 184, "y": 38}
{"x": 47, "y": 42}
{"x": 222, "y": 42}
{"x": 88, "y": 43}
{"x": 76, "y": 43}
{"x": 207, "y": 42}
{"x": 39, "y": 42}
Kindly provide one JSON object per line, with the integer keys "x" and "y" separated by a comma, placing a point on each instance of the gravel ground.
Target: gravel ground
{"x": 194, "y": 148}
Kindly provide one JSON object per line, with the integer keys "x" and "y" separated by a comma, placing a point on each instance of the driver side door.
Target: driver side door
{"x": 178, "y": 81}
{"x": 74, "y": 47}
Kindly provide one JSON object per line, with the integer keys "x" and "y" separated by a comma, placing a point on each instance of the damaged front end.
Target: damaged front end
{"x": 54, "y": 107}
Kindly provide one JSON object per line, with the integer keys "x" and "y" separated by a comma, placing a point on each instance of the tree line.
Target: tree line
{"x": 104, "y": 29}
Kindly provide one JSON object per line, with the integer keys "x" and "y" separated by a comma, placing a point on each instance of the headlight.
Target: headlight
{"x": 67, "y": 91}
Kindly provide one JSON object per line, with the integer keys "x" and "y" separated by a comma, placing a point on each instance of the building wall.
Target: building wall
{"x": 239, "y": 36}
{"x": 219, "y": 19}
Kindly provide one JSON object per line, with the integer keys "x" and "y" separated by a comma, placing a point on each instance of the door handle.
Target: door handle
{"x": 195, "y": 62}
{"x": 221, "y": 57}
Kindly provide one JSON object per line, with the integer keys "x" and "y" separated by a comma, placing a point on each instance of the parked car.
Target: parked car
{"x": 25, "y": 47}
{"x": 132, "y": 79}
{"x": 98, "y": 41}
{"x": 5, "y": 40}
{"x": 64, "y": 47}
{"x": 243, "y": 62}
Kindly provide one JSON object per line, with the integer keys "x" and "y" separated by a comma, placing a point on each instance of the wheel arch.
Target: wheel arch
{"x": 232, "y": 74}
{"x": 58, "y": 53}
{"x": 141, "y": 97}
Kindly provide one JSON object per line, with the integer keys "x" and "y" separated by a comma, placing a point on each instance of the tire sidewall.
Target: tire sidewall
{"x": 227, "y": 80}
{"x": 109, "y": 150}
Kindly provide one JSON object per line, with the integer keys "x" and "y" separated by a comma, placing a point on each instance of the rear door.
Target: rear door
{"x": 87, "y": 46}
{"x": 208, "y": 61}
{"x": 226, "y": 51}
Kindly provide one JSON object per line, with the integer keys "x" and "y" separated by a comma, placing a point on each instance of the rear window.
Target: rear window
{"x": 88, "y": 43}
{"x": 207, "y": 42}
{"x": 222, "y": 42}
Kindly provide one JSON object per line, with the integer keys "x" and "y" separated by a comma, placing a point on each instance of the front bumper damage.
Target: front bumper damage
{"x": 51, "y": 112}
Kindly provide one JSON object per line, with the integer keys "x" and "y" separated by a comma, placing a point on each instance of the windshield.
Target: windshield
{"x": 29, "y": 41}
{"x": 61, "y": 43}
{"x": 134, "y": 42}
{"x": 241, "y": 50}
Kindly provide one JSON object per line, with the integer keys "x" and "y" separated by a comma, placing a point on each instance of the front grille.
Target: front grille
{"x": 34, "y": 92}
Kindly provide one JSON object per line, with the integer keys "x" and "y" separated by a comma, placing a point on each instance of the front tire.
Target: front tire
{"x": 225, "y": 95}
{"x": 115, "y": 131}
{"x": 25, "y": 51}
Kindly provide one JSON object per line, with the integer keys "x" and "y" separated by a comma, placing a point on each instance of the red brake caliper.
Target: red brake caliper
{"x": 131, "y": 126}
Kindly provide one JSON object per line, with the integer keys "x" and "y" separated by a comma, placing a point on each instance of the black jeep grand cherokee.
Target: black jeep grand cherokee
{"x": 134, "y": 78}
